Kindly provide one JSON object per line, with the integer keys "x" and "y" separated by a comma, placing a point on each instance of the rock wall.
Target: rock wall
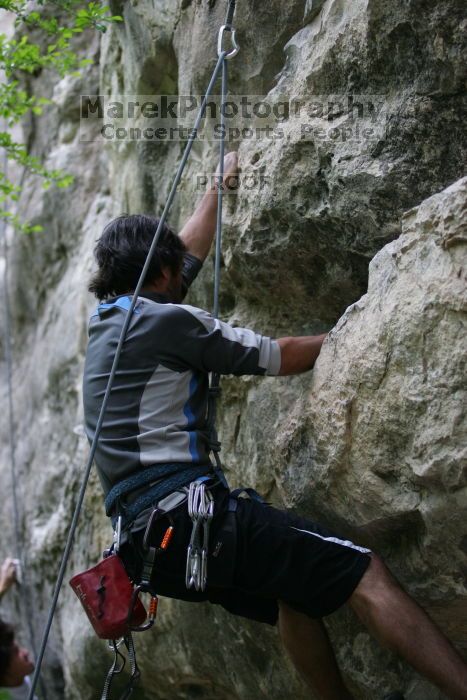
{"x": 340, "y": 235}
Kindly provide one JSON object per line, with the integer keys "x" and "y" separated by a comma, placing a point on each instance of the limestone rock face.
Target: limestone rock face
{"x": 378, "y": 440}
{"x": 361, "y": 233}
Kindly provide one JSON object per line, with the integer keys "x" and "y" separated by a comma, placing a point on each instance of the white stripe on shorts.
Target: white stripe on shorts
{"x": 344, "y": 543}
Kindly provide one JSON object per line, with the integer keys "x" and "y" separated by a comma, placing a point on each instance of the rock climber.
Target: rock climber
{"x": 265, "y": 564}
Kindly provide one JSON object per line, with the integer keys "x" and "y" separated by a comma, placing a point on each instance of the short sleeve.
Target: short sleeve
{"x": 190, "y": 268}
{"x": 195, "y": 339}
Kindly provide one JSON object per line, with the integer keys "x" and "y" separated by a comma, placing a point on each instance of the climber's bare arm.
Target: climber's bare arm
{"x": 298, "y": 354}
{"x": 198, "y": 232}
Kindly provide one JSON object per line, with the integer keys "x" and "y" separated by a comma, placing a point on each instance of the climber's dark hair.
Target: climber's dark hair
{"x": 122, "y": 249}
{"x": 7, "y": 638}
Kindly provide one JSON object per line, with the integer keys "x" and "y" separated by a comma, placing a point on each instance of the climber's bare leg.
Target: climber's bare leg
{"x": 308, "y": 645}
{"x": 399, "y": 624}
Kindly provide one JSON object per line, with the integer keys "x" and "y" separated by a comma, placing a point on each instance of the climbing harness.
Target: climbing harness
{"x": 221, "y": 64}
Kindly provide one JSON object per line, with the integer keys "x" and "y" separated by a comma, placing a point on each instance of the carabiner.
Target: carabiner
{"x": 220, "y": 38}
{"x": 151, "y": 618}
{"x": 117, "y": 535}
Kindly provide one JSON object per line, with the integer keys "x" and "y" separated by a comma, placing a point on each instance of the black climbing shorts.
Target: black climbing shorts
{"x": 275, "y": 556}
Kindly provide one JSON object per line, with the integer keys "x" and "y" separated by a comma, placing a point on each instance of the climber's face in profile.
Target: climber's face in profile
{"x": 19, "y": 666}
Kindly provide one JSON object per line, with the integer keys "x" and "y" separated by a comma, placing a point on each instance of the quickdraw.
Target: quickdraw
{"x": 201, "y": 511}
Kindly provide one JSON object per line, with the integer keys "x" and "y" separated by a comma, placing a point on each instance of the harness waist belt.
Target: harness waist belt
{"x": 150, "y": 485}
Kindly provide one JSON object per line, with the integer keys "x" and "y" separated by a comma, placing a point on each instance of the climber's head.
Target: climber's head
{"x": 121, "y": 252}
{"x": 15, "y": 663}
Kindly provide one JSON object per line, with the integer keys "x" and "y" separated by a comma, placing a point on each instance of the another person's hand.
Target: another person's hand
{"x": 7, "y": 575}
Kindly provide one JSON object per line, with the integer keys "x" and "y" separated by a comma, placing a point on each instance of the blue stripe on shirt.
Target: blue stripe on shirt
{"x": 188, "y": 413}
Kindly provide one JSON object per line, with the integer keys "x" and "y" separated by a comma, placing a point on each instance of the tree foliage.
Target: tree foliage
{"x": 53, "y": 24}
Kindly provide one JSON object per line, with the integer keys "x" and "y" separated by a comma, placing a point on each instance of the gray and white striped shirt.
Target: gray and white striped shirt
{"x": 158, "y": 404}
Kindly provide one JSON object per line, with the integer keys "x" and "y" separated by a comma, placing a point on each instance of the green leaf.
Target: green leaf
{"x": 65, "y": 181}
{"x": 26, "y": 54}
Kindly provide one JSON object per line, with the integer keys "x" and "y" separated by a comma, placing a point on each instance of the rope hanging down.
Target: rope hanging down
{"x": 9, "y": 372}
{"x": 214, "y": 389}
{"x": 18, "y": 548}
{"x": 223, "y": 55}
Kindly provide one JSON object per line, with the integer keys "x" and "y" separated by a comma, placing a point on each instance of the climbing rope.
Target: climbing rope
{"x": 223, "y": 56}
{"x": 18, "y": 548}
{"x": 214, "y": 388}
{"x": 9, "y": 374}
{"x": 19, "y": 551}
